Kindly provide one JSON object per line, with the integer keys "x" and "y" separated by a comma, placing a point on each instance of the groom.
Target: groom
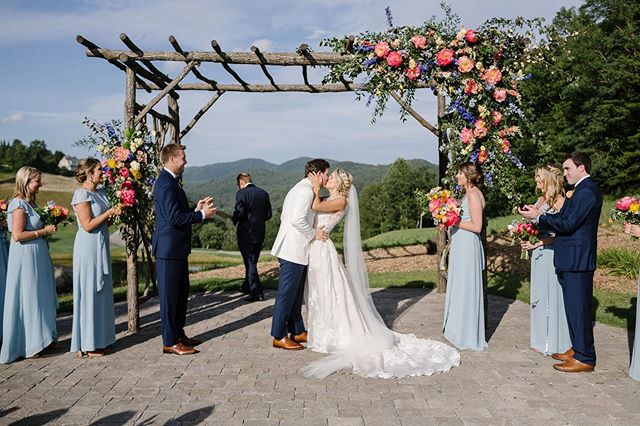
{"x": 576, "y": 232}
{"x": 291, "y": 247}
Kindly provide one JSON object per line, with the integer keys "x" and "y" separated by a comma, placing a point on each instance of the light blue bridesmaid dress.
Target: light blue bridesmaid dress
{"x": 93, "y": 311}
{"x": 464, "y": 306}
{"x": 4, "y": 257}
{"x": 549, "y": 327}
{"x": 30, "y": 302}
{"x": 634, "y": 369}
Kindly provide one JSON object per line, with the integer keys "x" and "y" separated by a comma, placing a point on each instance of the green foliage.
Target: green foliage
{"x": 15, "y": 155}
{"x": 400, "y": 238}
{"x": 621, "y": 262}
{"x": 214, "y": 234}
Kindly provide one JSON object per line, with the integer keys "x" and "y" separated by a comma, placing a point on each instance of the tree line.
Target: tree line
{"x": 16, "y": 154}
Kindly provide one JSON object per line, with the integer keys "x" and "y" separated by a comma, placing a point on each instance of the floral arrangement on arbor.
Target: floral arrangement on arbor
{"x": 478, "y": 71}
{"x": 444, "y": 208}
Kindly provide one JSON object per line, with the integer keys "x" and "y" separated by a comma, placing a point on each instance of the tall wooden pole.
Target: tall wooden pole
{"x": 174, "y": 113}
{"x": 443, "y": 163}
{"x": 133, "y": 317}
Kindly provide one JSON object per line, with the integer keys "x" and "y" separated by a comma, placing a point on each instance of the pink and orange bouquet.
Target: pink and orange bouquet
{"x": 523, "y": 231}
{"x": 54, "y": 214}
{"x": 444, "y": 208}
{"x": 3, "y": 209}
{"x": 626, "y": 209}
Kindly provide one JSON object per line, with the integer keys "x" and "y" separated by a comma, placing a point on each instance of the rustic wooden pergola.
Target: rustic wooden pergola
{"x": 142, "y": 74}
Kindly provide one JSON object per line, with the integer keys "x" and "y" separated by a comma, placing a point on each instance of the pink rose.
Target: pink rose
{"x": 451, "y": 218}
{"x": 497, "y": 117}
{"x": 444, "y": 57}
{"x": 413, "y": 73}
{"x": 394, "y": 59}
{"x": 420, "y": 42}
{"x": 381, "y": 50}
{"x": 471, "y": 36}
{"x": 506, "y": 146}
{"x": 472, "y": 87}
{"x": 481, "y": 129}
{"x": 434, "y": 205}
{"x": 500, "y": 95}
{"x": 128, "y": 197}
{"x": 624, "y": 203}
{"x": 124, "y": 172}
{"x": 465, "y": 64}
{"x": 492, "y": 76}
{"x": 121, "y": 153}
{"x": 466, "y": 136}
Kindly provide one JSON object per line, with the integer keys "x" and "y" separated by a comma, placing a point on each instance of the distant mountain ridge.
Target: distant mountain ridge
{"x": 219, "y": 179}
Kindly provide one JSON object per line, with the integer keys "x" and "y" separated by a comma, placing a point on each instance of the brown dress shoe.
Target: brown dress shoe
{"x": 179, "y": 349}
{"x": 286, "y": 343}
{"x": 573, "y": 366}
{"x": 188, "y": 341}
{"x": 565, "y": 356}
{"x": 300, "y": 338}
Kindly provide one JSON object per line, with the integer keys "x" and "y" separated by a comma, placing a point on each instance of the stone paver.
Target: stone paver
{"x": 239, "y": 379}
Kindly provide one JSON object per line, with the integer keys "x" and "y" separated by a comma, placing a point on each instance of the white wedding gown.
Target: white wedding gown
{"x": 343, "y": 321}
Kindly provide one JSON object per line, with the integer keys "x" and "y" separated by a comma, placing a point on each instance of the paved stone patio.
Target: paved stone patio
{"x": 239, "y": 379}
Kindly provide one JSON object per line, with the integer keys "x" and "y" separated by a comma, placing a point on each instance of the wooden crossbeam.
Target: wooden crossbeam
{"x": 139, "y": 70}
{"x": 152, "y": 68}
{"x": 154, "y": 113}
{"x": 248, "y": 58}
{"x": 260, "y": 56}
{"x": 200, "y": 113}
{"x": 195, "y": 71}
{"x": 153, "y": 102}
{"x": 259, "y": 88}
{"x": 224, "y": 64}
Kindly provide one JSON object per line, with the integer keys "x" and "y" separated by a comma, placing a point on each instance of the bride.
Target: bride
{"x": 342, "y": 319}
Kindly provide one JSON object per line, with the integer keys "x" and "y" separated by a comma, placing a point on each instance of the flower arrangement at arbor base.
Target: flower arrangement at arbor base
{"x": 54, "y": 214}
{"x": 477, "y": 70}
{"x": 440, "y": 203}
{"x": 626, "y": 209}
{"x": 523, "y": 231}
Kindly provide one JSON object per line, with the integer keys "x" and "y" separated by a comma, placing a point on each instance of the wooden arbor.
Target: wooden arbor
{"x": 142, "y": 74}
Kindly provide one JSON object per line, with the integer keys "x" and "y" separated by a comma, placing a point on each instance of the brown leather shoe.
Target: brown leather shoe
{"x": 286, "y": 343}
{"x": 573, "y": 366}
{"x": 179, "y": 349}
{"x": 300, "y": 338}
{"x": 188, "y": 341}
{"x": 565, "y": 356}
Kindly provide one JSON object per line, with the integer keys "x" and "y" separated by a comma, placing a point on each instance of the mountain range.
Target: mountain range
{"x": 219, "y": 180}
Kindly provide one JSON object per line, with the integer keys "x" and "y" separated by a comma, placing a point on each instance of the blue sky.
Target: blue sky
{"x": 47, "y": 84}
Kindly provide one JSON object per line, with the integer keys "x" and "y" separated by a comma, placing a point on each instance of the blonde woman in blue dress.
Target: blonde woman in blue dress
{"x": 634, "y": 369}
{"x": 464, "y": 304}
{"x": 93, "y": 312}
{"x": 4, "y": 257}
{"x": 549, "y": 327}
{"x": 29, "y": 321}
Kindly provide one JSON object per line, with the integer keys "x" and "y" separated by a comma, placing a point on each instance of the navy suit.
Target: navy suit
{"x": 576, "y": 239}
{"x": 252, "y": 210}
{"x": 171, "y": 247}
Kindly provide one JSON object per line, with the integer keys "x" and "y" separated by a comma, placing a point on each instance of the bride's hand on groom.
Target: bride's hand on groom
{"x": 316, "y": 180}
{"x": 321, "y": 235}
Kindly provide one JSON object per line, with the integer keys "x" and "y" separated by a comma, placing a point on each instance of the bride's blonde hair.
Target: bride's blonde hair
{"x": 344, "y": 180}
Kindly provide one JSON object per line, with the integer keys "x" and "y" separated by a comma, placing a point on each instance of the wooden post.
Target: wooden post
{"x": 133, "y": 317}
{"x": 443, "y": 162}
{"x": 174, "y": 113}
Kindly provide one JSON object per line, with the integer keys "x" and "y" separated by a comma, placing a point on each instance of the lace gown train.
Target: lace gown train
{"x": 343, "y": 322}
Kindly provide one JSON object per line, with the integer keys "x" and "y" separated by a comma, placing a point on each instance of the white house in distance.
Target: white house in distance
{"x": 68, "y": 163}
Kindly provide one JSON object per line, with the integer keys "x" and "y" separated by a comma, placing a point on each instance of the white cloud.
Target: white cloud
{"x": 264, "y": 44}
{"x": 12, "y": 118}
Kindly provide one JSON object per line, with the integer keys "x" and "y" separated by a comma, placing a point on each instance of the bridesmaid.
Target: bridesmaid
{"x": 93, "y": 313}
{"x": 549, "y": 327}
{"x": 30, "y": 302}
{"x": 4, "y": 255}
{"x": 464, "y": 306}
{"x": 634, "y": 369}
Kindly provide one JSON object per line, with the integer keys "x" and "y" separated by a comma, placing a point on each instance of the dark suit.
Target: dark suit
{"x": 171, "y": 248}
{"x": 252, "y": 210}
{"x": 576, "y": 239}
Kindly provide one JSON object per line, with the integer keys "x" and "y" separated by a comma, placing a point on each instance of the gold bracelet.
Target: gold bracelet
{"x": 36, "y": 234}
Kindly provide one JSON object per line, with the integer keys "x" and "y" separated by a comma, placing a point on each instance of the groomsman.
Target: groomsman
{"x": 576, "y": 232}
{"x": 171, "y": 247}
{"x": 252, "y": 210}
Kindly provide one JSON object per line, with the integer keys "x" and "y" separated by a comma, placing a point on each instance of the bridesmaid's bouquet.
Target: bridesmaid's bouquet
{"x": 626, "y": 209}
{"x": 54, "y": 214}
{"x": 3, "y": 209}
{"x": 523, "y": 231}
{"x": 442, "y": 206}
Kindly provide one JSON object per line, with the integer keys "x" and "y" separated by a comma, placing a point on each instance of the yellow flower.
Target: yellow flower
{"x": 111, "y": 163}
{"x": 136, "y": 173}
{"x": 634, "y": 207}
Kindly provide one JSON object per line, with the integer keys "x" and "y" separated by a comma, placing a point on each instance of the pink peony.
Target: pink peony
{"x": 483, "y": 155}
{"x": 471, "y": 36}
{"x": 444, "y": 57}
{"x": 466, "y": 136}
{"x": 492, "y": 76}
{"x": 465, "y": 64}
{"x": 500, "y": 95}
{"x": 124, "y": 172}
{"x": 506, "y": 146}
{"x": 497, "y": 117}
{"x": 128, "y": 197}
{"x": 394, "y": 59}
{"x": 451, "y": 218}
{"x": 420, "y": 42}
{"x": 121, "y": 153}
{"x": 624, "y": 203}
{"x": 434, "y": 205}
{"x": 413, "y": 73}
{"x": 472, "y": 87}
{"x": 382, "y": 49}
{"x": 481, "y": 128}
